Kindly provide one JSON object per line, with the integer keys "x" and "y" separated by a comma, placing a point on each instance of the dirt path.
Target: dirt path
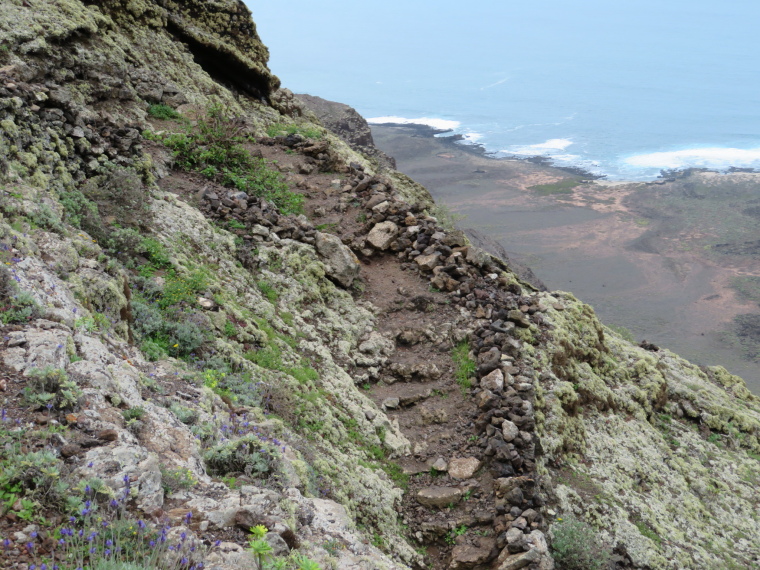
{"x": 469, "y": 482}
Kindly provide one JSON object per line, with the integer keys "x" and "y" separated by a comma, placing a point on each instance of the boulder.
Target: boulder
{"x": 463, "y": 468}
{"x": 439, "y": 496}
{"x": 381, "y": 236}
{"x": 428, "y": 262}
{"x": 466, "y": 556}
{"x": 342, "y": 265}
{"x": 493, "y": 381}
{"x": 517, "y": 561}
{"x": 504, "y": 485}
{"x": 510, "y": 430}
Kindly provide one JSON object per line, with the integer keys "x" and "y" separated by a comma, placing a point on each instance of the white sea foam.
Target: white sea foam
{"x": 715, "y": 157}
{"x": 441, "y": 124}
{"x": 549, "y": 148}
{"x": 499, "y": 82}
{"x": 471, "y": 137}
{"x": 468, "y": 137}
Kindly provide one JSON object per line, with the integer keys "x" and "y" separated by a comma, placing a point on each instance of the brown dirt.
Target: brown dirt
{"x": 640, "y": 263}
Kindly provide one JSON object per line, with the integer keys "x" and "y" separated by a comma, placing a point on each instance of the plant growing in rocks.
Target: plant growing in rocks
{"x": 575, "y": 546}
{"x": 16, "y": 306}
{"x": 214, "y": 147}
{"x": 51, "y": 388}
{"x": 464, "y": 365}
{"x": 99, "y": 538}
{"x": 112, "y": 207}
{"x": 164, "y": 112}
{"x": 280, "y": 129}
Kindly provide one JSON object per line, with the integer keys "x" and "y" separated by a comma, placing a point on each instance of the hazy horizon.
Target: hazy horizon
{"x": 620, "y": 90}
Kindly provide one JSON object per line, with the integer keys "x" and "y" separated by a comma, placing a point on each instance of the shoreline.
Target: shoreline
{"x": 641, "y": 253}
{"x": 477, "y": 149}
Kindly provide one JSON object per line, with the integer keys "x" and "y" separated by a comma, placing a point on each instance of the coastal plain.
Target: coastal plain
{"x": 674, "y": 261}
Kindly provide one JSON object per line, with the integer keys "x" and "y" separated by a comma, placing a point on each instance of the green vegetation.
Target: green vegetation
{"x": 92, "y": 323}
{"x": 214, "y": 147}
{"x": 575, "y": 546}
{"x": 664, "y": 423}
{"x": 747, "y": 287}
{"x": 16, "y": 306}
{"x": 447, "y": 218}
{"x": 113, "y": 208}
{"x": 648, "y": 532}
{"x": 51, "y": 388}
{"x": 464, "y": 366}
{"x": 166, "y": 318}
{"x": 29, "y": 481}
{"x": 247, "y": 454}
{"x": 454, "y": 533}
{"x": 173, "y": 480}
{"x": 264, "y": 558}
{"x": 229, "y": 329}
{"x": 268, "y": 291}
{"x": 133, "y": 413}
{"x": 280, "y": 129}
{"x": 161, "y": 111}
{"x": 561, "y": 187}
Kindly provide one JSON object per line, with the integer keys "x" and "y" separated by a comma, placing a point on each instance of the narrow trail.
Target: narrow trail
{"x": 450, "y": 505}
{"x": 469, "y": 500}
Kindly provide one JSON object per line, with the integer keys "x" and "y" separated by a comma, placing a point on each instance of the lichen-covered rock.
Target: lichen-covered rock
{"x": 342, "y": 264}
{"x": 648, "y": 424}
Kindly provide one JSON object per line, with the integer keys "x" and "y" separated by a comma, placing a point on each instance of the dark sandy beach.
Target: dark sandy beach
{"x": 675, "y": 262}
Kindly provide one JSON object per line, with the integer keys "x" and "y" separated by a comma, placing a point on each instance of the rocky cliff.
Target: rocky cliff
{"x": 230, "y": 339}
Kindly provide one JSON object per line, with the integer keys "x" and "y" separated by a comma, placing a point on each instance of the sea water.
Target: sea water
{"x": 621, "y": 89}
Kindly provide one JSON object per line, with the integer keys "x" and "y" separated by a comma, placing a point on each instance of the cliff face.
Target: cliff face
{"x": 212, "y": 305}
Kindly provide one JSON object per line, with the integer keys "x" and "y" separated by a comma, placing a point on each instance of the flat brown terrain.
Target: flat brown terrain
{"x": 660, "y": 259}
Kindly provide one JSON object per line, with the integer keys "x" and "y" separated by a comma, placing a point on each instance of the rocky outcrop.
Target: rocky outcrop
{"x": 349, "y": 125}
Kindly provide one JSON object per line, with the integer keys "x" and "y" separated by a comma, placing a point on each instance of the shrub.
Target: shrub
{"x": 213, "y": 148}
{"x": 133, "y": 413}
{"x": 280, "y": 129}
{"x": 125, "y": 241}
{"x": 268, "y": 291}
{"x": 446, "y": 218}
{"x": 79, "y": 210}
{"x": 111, "y": 207}
{"x": 248, "y": 455}
{"x": 19, "y": 307}
{"x": 7, "y": 284}
{"x": 44, "y": 217}
{"x": 240, "y": 387}
{"x": 155, "y": 252}
{"x": 575, "y": 546}
{"x": 182, "y": 289}
{"x": 120, "y": 196}
{"x": 173, "y": 480}
{"x": 161, "y": 111}
{"x": 187, "y": 416}
{"x": 51, "y": 388}
{"x": 164, "y": 321}
{"x": 152, "y": 350}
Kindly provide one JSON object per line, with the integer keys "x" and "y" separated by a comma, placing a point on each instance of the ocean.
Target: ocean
{"x": 623, "y": 90}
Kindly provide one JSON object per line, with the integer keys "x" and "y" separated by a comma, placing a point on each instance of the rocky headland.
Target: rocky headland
{"x": 231, "y": 339}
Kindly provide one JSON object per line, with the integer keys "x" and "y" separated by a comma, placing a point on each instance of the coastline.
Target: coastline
{"x": 642, "y": 253}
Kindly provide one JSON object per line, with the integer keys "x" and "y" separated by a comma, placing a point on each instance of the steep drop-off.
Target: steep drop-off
{"x": 220, "y": 322}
